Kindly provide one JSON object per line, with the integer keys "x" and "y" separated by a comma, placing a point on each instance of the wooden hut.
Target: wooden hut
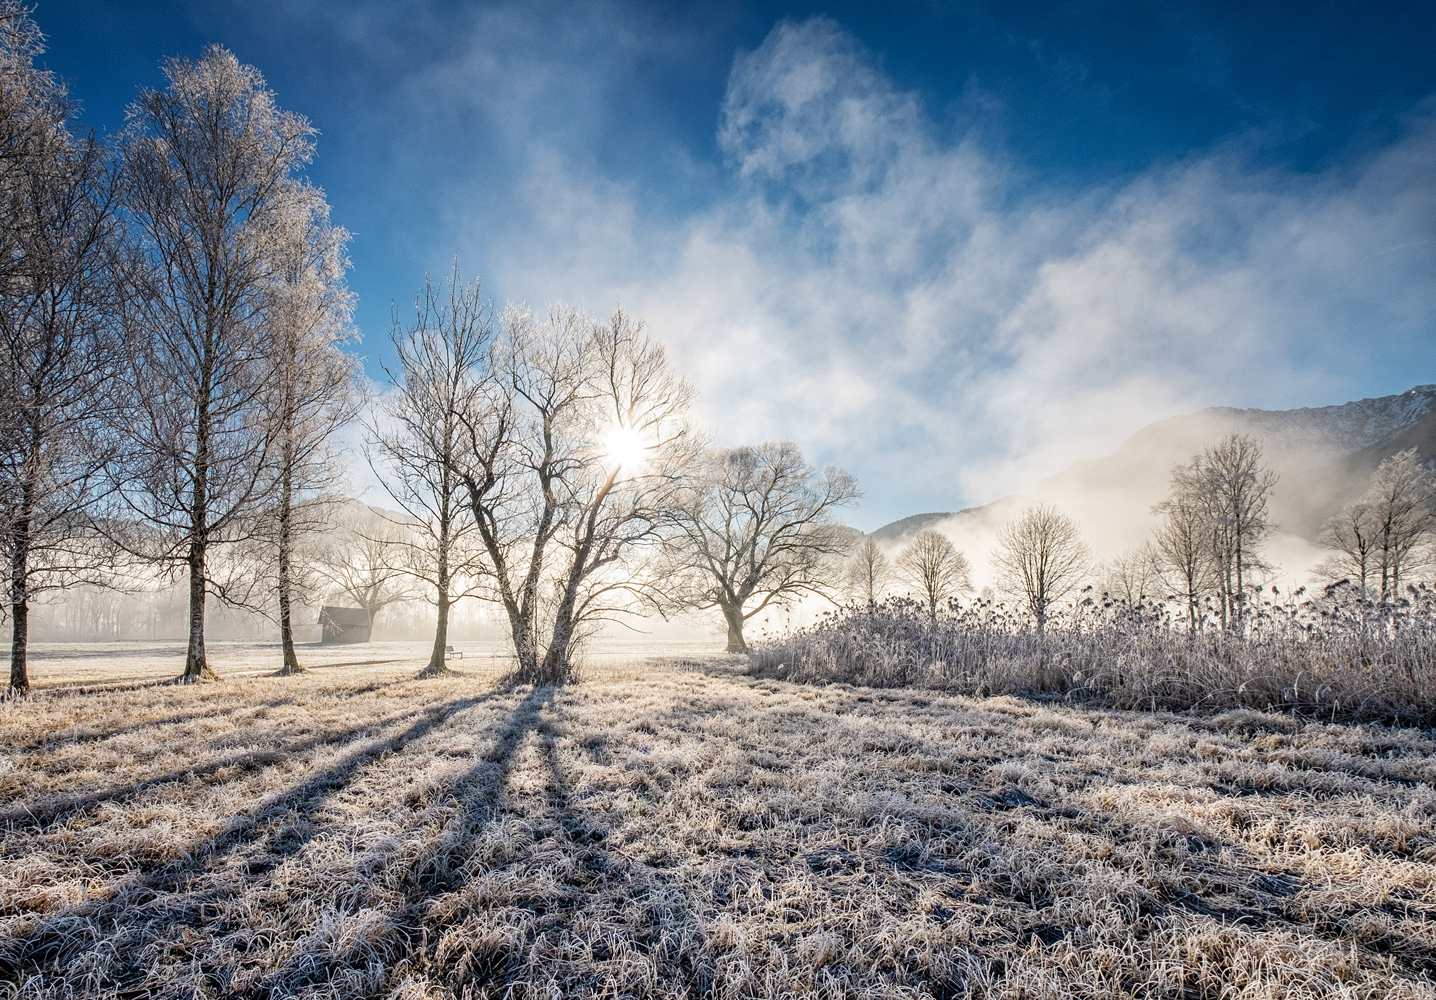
{"x": 344, "y": 625}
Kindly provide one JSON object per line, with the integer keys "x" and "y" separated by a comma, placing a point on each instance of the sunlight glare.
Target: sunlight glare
{"x": 625, "y": 447}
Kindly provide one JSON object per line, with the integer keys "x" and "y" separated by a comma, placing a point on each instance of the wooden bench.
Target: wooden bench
{"x": 450, "y": 653}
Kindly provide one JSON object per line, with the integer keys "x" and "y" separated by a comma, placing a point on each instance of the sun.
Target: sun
{"x": 625, "y": 447}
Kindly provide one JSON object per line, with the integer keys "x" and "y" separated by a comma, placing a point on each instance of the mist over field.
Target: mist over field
{"x": 512, "y": 500}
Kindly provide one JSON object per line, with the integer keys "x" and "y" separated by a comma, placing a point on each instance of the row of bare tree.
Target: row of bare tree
{"x": 172, "y": 316}
{"x": 552, "y": 463}
{"x": 172, "y": 306}
{"x": 1040, "y": 559}
{"x": 1378, "y": 539}
{"x": 1206, "y": 550}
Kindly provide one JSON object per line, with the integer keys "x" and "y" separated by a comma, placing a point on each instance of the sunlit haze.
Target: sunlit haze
{"x": 950, "y": 247}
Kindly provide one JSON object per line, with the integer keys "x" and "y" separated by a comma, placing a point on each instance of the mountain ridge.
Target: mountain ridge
{"x": 1323, "y": 456}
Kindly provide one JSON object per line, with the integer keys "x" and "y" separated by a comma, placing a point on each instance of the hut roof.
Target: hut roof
{"x": 343, "y": 616}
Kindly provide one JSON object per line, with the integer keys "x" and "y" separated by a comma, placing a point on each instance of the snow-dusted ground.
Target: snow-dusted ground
{"x": 102, "y": 663}
{"x": 682, "y": 829}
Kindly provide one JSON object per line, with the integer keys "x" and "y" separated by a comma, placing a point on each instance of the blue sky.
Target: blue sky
{"x": 952, "y": 247}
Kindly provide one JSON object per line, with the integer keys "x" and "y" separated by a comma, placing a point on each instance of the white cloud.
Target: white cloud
{"x": 910, "y": 306}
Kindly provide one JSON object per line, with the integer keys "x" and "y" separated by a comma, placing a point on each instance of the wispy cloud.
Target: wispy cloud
{"x": 915, "y": 306}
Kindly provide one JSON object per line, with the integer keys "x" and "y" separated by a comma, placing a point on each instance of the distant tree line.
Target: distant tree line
{"x": 1205, "y": 555}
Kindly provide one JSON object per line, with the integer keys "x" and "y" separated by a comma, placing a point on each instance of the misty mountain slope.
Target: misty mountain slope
{"x": 911, "y": 525}
{"x": 1323, "y": 457}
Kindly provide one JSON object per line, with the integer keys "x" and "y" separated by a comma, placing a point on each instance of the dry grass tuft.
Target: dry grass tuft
{"x": 680, "y": 829}
{"x": 1318, "y": 658}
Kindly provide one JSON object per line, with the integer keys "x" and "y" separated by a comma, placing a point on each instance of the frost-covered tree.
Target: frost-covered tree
{"x": 868, "y": 572}
{"x": 1040, "y": 559}
{"x": 208, "y": 166}
{"x": 57, "y": 254}
{"x": 1381, "y": 533}
{"x": 1231, "y": 488}
{"x": 1354, "y": 536}
{"x": 577, "y": 451}
{"x": 314, "y": 385}
{"x": 365, "y": 558}
{"x": 1184, "y": 551}
{"x": 934, "y": 568}
{"x": 418, "y": 437}
{"x": 1130, "y": 576}
{"x": 759, "y": 528}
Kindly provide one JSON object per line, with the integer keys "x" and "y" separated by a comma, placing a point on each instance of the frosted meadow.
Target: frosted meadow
{"x": 672, "y": 828}
{"x": 809, "y": 564}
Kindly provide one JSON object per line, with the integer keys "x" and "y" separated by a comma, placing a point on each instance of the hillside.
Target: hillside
{"x": 1323, "y": 456}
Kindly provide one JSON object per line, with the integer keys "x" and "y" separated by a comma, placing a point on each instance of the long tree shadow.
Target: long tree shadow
{"x": 439, "y": 869}
{"x": 57, "y": 808}
{"x": 668, "y": 923}
{"x": 155, "y": 894}
{"x": 58, "y": 738}
{"x": 593, "y": 902}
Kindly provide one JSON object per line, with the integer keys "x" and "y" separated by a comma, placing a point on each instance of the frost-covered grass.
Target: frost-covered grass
{"x": 683, "y": 829}
{"x": 1318, "y": 658}
{"x": 107, "y": 664}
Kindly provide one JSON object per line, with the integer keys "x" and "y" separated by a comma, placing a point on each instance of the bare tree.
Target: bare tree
{"x": 34, "y": 108}
{"x": 574, "y": 462}
{"x": 418, "y": 439}
{"x": 57, "y": 233}
{"x": 1228, "y": 483}
{"x": 1355, "y": 536}
{"x": 934, "y": 567}
{"x": 1130, "y": 576}
{"x": 868, "y": 572}
{"x": 366, "y": 558}
{"x": 1040, "y": 559}
{"x": 1185, "y": 555}
{"x": 1401, "y": 508}
{"x": 759, "y": 529}
{"x": 314, "y": 387}
{"x": 207, "y": 166}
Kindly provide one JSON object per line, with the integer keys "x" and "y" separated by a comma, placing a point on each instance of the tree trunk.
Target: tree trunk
{"x": 557, "y": 667}
{"x": 19, "y": 607}
{"x": 291, "y": 664}
{"x": 436, "y": 666}
{"x": 196, "y": 666}
{"x": 734, "y": 618}
{"x": 525, "y": 650}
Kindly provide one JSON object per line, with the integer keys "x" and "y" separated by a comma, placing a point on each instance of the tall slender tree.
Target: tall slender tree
{"x": 57, "y": 252}
{"x": 208, "y": 165}
{"x": 315, "y": 386}
{"x": 1185, "y": 554}
{"x": 418, "y": 440}
{"x": 1232, "y": 489}
{"x": 1401, "y": 502}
